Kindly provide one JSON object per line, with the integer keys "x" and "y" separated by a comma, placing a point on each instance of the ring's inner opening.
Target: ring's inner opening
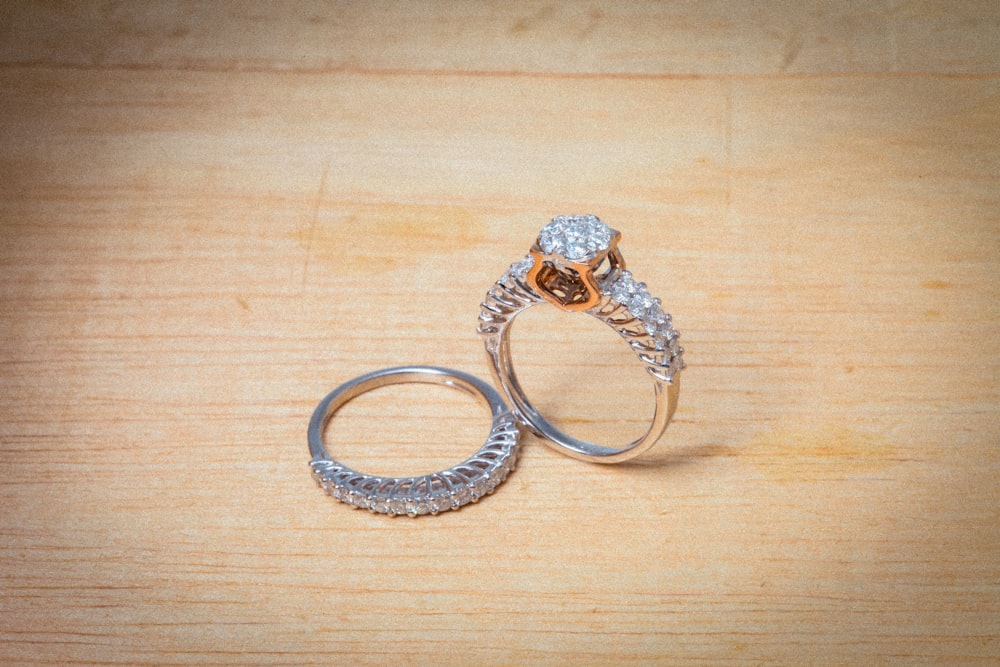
{"x": 604, "y": 269}
{"x": 582, "y": 376}
{"x": 405, "y": 430}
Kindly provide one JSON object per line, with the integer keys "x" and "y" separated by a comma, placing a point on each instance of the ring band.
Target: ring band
{"x": 449, "y": 489}
{"x": 575, "y": 265}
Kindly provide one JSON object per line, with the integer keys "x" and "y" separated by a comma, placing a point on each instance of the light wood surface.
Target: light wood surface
{"x": 212, "y": 214}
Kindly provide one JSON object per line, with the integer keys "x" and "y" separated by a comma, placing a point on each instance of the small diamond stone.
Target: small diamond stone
{"x": 672, "y": 343}
{"x": 440, "y": 502}
{"x": 676, "y": 366}
{"x": 622, "y": 289}
{"x": 496, "y": 479}
{"x": 462, "y": 496}
{"x": 575, "y": 237}
{"x": 619, "y": 291}
{"x": 520, "y": 268}
{"x": 397, "y": 505}
{"x": 656, "y": 321}
{"x": 647, "y": 309}
{"x": 480, "y": 487}
{"x": 641, "y": 302}
{"x": 417, "y": 506}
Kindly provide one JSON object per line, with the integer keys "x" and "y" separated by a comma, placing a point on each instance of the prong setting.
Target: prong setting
{"x": 566, "y": 255}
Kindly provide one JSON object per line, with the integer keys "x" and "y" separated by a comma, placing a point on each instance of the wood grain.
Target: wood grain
{"x": 213, "y": 214}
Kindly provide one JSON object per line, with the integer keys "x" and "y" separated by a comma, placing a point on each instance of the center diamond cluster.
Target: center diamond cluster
{"x": 576, "y": 237}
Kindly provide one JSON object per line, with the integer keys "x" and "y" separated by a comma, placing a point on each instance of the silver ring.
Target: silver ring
{"x": 575, "y": 265}
{"x": 448, "y": 489}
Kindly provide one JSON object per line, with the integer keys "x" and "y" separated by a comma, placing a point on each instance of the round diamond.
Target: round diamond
{"x": 440, "y": 502}
{"x": 417, "y": 506}
{"x": 480, "y": 487}
{"x": 575, "y": 237}
{"x": 397, "y": 505}
{"x": 622, "y": 289}
{"x": 656, "y": 320}
{"x": 520, "y": 268}
{"x": 462, "y": 496}
{"x": 672, "y": 343}
{"x": 641, "y": 302}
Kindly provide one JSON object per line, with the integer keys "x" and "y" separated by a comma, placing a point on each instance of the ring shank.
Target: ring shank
{"x": 665, "y": 394}
{"x": 397, "y": 375}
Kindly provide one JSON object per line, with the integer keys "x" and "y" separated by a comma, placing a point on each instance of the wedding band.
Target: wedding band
{"x": 448, "y": 489}
{"x": 575, "y": 264}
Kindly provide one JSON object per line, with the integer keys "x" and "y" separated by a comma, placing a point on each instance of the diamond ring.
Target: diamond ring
{"x": 448, "y": 489}
{"x": 575, "y": 265}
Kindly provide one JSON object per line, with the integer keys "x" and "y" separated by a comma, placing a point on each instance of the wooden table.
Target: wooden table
{"x": 212, "y": 214}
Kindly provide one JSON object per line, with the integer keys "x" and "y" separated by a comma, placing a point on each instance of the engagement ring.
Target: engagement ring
{"x": 575, "y": 264}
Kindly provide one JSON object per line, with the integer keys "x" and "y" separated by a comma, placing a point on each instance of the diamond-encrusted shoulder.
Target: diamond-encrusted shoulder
{"x": 626, "y": 305}
{"x": 639, "y": 318}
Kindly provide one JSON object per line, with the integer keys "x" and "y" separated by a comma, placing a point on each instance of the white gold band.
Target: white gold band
{"x": 448, "y": 489}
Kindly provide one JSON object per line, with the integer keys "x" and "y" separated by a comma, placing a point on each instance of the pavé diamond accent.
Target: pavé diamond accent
{"x": 575, "y": 237}
{"x": 520, "y": 268}
{"x": 636, "y": 299}
{"x": 430, "y": 494}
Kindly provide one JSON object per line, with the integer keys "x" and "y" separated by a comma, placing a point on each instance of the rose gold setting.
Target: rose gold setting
{"x": 573, "y": 286}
